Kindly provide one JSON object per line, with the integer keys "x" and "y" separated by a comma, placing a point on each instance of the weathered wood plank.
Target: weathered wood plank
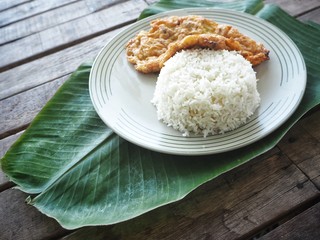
{"x": 51, "y": 67}
{"x": 23, "y": 221}
{"x": 296, "y": 7}
{"x": 311, "y": 168}
{"x": 313, "y": 16}
{"x": 271, "y": 203}
{"x": 13, "y": 114}
{"x": 312, "y": 124}
{"x": 42, "y": 21}
{"x": 316, "y": 181}
{"x": 98, "y": 5}
{"x": 18, "y": 111}
{"x": 304, "y": 226}
{"x": 29, "y": 9}
{"x": 299, "y": 145}
{"x": 245, "y": 199}
{"x": 302, "y": 146}
{"x": 5, "y": 4}
{"x": 5, "y": 144}
{"x": 3, "y": 179}
{"x": 67, "y": 34}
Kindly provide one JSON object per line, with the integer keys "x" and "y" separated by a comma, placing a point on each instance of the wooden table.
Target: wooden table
{"x": 41, "y": 42}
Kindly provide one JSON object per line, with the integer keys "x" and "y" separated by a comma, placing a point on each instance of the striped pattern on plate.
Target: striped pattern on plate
{"x": 121, "y": 95}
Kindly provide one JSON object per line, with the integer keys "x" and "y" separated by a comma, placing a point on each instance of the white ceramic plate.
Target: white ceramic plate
{"x": 121, "y": 95}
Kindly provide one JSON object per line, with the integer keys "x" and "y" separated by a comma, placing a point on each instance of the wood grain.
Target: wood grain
{"x": 316, "y": 181}
{"x": 312, "y": 125}
{"x": 67, "y": 34}
{"x": 24, "y": 221}
{"x": 28, "y": 9}
{"x": 313, "y": 16}
{"x": 302, "y": 146}
{"x": 299, "y": 145}
{"x": 5, "y": 4}
{"x": 53, "y": 66}
{"x": 43, "y": 21}
{"x": 304, "y": 226}
{"x": 17, "y": 111}
{"x": 5, "y": 144}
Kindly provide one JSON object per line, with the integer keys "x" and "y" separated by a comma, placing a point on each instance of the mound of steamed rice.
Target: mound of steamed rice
{"x": 206, "y": 92}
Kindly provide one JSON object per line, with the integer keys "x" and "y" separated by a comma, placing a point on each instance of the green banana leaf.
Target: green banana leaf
{"x": 81, "y": 173}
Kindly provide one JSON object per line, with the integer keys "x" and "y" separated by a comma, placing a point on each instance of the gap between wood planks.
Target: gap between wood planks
{"x": 46, "y": 42}
{"x": 308, "y": 11}
{"x": 303, "y": 122}
{"x": 58, "y": 5}
{"x": 62, "y": 46}
{"x": 42, "y": 21}
{"x": 13, "y": 4}
{"x": 63, "y": 14}
{"x": 6, "y": 185}
{"x": 269, "y": 227}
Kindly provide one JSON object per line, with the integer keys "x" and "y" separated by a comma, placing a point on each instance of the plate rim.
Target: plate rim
{"x": 194, "y": 152}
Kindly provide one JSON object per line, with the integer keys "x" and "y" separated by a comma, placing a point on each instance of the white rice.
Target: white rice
{"x": 206, "y": 92}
